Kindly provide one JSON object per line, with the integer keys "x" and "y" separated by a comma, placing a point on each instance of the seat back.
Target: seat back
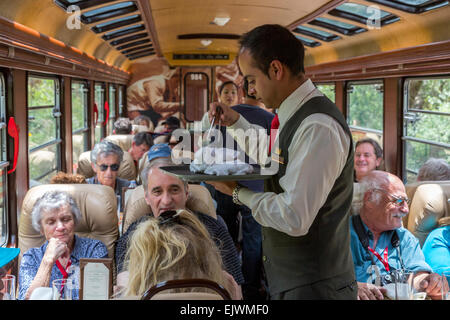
{"x": 127, "y": 169}
{"x": 220, "y": 293}
{"x": 122, "y": 140}
{"x": 411, "y": 190}
{"x": 141, "y": 128}
{"x": 98, "y": 207}
{"x": 429, "y": 208}
{"x": 199, "y": 199}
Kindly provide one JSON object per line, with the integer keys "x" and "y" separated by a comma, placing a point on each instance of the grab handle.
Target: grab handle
{"x": 13, "y": 131}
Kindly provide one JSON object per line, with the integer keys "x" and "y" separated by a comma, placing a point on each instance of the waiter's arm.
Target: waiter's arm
{"x": 318, "y": 153}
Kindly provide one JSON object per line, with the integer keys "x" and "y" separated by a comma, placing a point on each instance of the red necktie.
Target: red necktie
{"x": 274, "y": 126}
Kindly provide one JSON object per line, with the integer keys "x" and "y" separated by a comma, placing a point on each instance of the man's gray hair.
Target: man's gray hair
{"x": 105, "y": 148}
{"x": 370, "y": 182}
{"x": 156, "y": 163}
{"x": 123, "y": 126}
{"x": 434, "y": 170}
{"x": 50, "y": 201}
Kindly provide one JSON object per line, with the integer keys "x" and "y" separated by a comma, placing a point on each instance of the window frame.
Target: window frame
{"x": 347, "y": 105}
{"x": 57, "y": 114}
{"x": 4, "y": 163}
{"x": 404, "y": 137}
{"x": 84, "y": 130}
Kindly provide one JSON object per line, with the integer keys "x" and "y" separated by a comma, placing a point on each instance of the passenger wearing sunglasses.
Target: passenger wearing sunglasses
{"x": 106, "y": 158}
{"x": 380, "y": 244}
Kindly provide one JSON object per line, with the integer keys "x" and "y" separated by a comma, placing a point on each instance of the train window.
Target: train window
{"x": 426, "y": 116}
{"x": 107, "y": 12}
{"x": 413, "y": 6}
{"x": 316, "y": 33}
{"x": 363, "y": 14}
{"x": 3, "y": 167}
{"x": 44, "y": 137}
{"x": 112, "y": 108}
{"x": 308, "y": 42}
{"x": 100, "y": 103}
{"x": 80, "y": 129}
{"x": 365, "y": 109}
{"x": 339, "y": 26}
{"x": 328, "y": 90}
{"x": 117, "y": 23}
{"x": 124, "y": 31}
{"x": 121, "y": 100}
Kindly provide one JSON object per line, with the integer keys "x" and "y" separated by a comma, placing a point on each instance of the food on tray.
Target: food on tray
{"x": 219, "y": 161}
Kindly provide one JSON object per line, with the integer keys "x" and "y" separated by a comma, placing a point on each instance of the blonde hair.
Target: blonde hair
{"x": 181, "y": 249}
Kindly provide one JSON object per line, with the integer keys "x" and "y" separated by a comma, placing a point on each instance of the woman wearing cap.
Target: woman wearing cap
{"x": 55, "y": 215}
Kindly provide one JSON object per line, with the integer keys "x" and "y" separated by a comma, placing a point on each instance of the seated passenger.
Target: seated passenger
{"x": 165, "y": 192}
{"x": 379, "y": 226}
{"x": 436, "y": 248}
{"x": 176, "y": 245}
{"x": 368, "y": 157}
{"x": 142, "y": 121}
{"x": 434, "y": 170}
{"x": 142, "y": 142}
{"x": 67, "y": 178}
{"x": 105, "y": 160}
{"x": 122, "y": 126}
{"x": 170, "y": 124}
{"x": 56, "y": 215}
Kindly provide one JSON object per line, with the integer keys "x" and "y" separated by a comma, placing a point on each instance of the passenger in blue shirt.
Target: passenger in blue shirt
{"x": 436, "y": 249}
{"x": 380, "y": 221}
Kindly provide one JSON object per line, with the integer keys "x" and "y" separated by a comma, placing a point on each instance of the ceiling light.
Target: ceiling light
{"x": 221, "y": 21}
{"x": 205, "y": 42}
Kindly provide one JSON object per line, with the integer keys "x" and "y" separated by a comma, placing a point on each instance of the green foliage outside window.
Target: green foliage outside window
{"x": 427, "y": 95}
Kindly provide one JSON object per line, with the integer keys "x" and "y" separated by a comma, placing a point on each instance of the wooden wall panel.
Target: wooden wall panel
{"x": 392, "y": 118}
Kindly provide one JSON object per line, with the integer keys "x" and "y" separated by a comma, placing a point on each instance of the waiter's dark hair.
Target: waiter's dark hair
{"x": 274, "y": 42}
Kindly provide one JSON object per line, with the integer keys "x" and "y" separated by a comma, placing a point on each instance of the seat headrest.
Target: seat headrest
{"x": 412, "y": 187}
{"x": 98, "y": 207}
{"x": 429, "y": 206}
{"x": 127, "y": 169}
{"x": 199, "y": 199}
{"x": 122, "y": 140}
{"x": 140, "y": 128}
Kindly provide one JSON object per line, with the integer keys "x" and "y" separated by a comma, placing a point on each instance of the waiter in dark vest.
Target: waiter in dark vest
{"x": 304, "y": 209}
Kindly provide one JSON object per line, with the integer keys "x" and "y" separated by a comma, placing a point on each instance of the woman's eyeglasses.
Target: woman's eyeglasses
{"x": 104, "y": 167}
{"x": 168, "y": 217}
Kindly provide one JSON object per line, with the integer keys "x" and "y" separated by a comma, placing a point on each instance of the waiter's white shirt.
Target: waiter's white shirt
{"x": 317, "y": 155}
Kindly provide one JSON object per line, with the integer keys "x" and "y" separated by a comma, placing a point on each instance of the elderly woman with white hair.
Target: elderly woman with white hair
{"x": 55, "y": 215}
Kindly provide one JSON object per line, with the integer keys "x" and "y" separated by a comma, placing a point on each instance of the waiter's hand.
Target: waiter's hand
{"x": 228, "y": 116}
{"x": 225, "y": 187}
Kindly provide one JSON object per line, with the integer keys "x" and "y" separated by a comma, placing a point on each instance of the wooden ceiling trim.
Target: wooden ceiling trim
{"x": 147, "y": 18}
{"x": 48, "y": 50}
{"x": 425, "y": 59}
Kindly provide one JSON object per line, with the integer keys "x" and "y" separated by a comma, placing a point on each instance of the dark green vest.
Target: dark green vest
{"x": 323, "y": 254}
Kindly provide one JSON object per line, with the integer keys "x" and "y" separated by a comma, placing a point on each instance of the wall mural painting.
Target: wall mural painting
{"x": 154, "y": 90}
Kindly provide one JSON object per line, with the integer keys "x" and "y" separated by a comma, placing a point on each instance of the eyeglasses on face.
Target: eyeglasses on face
{"x": 398, "y": 201}
{"x": 104, "y": 167}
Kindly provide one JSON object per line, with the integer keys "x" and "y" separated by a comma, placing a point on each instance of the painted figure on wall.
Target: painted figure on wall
{"x": 154, "y": 90}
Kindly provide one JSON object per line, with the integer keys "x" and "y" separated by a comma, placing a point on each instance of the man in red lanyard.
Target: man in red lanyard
{"x": 381, "y": 245}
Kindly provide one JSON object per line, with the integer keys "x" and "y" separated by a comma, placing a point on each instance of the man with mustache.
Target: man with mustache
{"x": 374, "y": 232}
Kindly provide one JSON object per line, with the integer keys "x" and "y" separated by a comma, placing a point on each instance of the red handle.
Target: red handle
{"x": 96, "y": 114}
{"x": 13, "y": 131}
{"x": 107, "y": 113}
